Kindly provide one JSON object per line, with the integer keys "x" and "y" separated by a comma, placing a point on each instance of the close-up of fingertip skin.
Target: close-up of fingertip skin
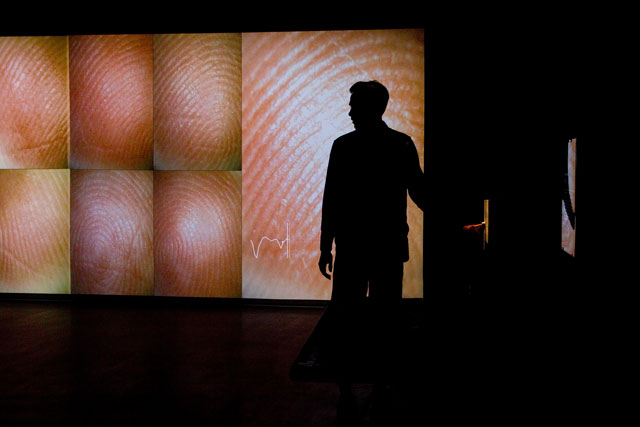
{"x": 295, "y": 103}
{"x": 34, "y": 102}
{"x": 197, "y": 233}
{"x": 197, "y": 101}
{"x": 34, "y": 231}
{"x": 112, "y": 232}
{"x": 111, "y": 101}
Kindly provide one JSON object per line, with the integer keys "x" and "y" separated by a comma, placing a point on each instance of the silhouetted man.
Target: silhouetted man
{"x": 364, "y": 210}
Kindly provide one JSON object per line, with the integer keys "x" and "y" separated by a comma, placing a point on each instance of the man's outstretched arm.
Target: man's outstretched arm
{"x": 415, "y": 183}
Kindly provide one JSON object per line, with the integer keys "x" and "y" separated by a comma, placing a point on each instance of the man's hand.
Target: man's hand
{"x": 475, "y": 228}
{"x": 326, "y": 259}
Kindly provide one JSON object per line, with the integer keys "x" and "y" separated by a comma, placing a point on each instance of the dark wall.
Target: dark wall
{"x": 502, "y": 103}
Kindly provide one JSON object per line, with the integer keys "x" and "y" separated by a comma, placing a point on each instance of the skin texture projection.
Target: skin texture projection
{"x": 295, "y": 103}
{"x": 197, "y": 101}
{"x": 34, "y": 103}
{"x": 111, "y": 98}
{"x": 34, "y": 231}
{"x": 197, "y": 233}
{"x": 112, "y": 232}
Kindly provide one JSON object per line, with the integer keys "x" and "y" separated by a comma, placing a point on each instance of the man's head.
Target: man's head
{"x": 368, "y": 102}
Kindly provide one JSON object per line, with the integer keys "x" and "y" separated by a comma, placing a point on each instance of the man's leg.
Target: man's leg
{"x": 347, "y": 297}
{"x": 385, "y": 292}
{"x": 348, "y": 293}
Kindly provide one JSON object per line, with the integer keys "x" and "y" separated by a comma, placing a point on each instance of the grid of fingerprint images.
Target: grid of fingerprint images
{"x": 185, "y": 164}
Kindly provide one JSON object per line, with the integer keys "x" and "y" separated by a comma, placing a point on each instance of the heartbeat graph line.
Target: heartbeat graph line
{"x": 280, "y": 243}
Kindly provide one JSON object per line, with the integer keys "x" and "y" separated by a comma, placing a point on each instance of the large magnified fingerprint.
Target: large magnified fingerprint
{"x": 111, "y": 101}
{"x": 34, "y": 102}
{"x": 112, "y": 232}
{"x": 197, "y": 233}
{"x": 197, "y": 90}
{"x": 295, "y": 103}
{"x": 34, "y": 231}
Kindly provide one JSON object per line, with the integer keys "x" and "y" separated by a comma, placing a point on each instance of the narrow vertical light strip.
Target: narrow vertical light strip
{"x": 485, "y": 240}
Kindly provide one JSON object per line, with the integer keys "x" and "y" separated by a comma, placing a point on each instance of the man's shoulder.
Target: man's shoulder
{"x": 385, "y": 136}
{"x": 397, "y": 135}
{"x": 386, "y": 132}
{"x": 346, "y": 137}
{"x": 344, "y": 142}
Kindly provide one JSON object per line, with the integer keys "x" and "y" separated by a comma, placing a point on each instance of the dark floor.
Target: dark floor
{"x": 110, "y": 364}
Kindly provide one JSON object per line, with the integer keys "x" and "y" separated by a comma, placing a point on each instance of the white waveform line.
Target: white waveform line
{"x": 280, "y": 243}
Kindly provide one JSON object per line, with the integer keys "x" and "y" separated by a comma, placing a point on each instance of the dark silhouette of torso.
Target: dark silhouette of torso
{"x": 365, "y": 198}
